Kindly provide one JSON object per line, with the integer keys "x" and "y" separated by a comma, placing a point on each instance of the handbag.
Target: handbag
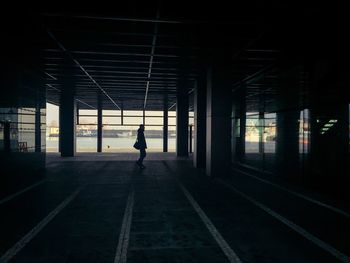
{"x": 137, "y": 145}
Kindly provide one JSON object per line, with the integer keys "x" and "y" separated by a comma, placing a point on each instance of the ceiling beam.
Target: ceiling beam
{"x": 81, "y": 67}
{"x": 58, "y": 90}
{"x": 252, "y": 77}
{"x": 114, "y": 18}
{"x": 154, "y": 40}
{"x": 85, "y": 52}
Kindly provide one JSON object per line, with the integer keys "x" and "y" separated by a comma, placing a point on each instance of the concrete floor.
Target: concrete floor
{"x": 102, "y": 208}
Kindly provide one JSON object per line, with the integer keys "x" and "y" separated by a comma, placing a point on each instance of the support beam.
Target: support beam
{"x": 38, "y": 126}
{"x": 144, "y": 117}
{"x": 287, "y": 146}
{"x": 242, "y": 128}
{"x": 199, "y": 153}
{"x": 7, "y": 136}
{"x": 99, "y": 126}
{"x": 154, "y": 40}
{"x": 182, "y": 105}
{"x": 190, "y": 135}
{"x": 69, "y": 55}
{"x": 218, "y": 152}
{"x": 122, "y": 114}
{"x": 165, "y": 126}
{"x": 67, "y": 119}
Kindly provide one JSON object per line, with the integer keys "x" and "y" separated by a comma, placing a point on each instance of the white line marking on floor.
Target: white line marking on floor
{"x": 228, "y": 251}
{"x": 124, "y": 236}
{"x": 21, "y": 192}
{"x": 334, "y": 209}
{"x": 32, "y": 233}
{"x": 339, "y": 255}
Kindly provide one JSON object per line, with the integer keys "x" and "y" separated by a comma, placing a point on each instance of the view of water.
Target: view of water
{"x": 89, "y": 144}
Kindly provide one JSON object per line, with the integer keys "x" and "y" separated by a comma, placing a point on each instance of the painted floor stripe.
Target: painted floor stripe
{"x": 31, "y": 234}
{"x": 334, "y": 209}
{"x": 21, "y": 192}
{"x": 124, "y": 236}
{"x": 339, "y": 255}
{"x": 228, "y": 251}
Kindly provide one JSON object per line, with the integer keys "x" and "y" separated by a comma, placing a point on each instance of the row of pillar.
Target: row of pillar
{"x": 212, "y": 122}
{"x": 68, "y": 119}
{"x": 212, "y": 127}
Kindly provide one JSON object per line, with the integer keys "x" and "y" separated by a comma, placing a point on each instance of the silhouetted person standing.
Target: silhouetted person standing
{"x": 142, "y": 143}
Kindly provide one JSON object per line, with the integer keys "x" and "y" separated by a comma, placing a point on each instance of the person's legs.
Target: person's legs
{"x": 142, "y": 156}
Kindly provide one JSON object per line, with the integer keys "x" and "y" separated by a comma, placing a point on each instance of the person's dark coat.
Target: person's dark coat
{"x": 141, "y": 139}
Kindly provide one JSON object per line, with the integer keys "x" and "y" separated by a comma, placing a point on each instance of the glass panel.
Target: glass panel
{"x": 88, "y": 112}
{"x": 154, "y": 121}
{"x": 25, "y": 129}
{"x": 133, "y": 113}
{"x": 118, "y": 138}
{"x": 252, "y": 134}
{"x": 304, "y": 131}
{"x": 154, "y": 138}
{"x": 122, "y": 138}
{"x": 191, "y": 118}
{"x": 133, "y": 120}
{"x": 172, "y": 113}
{"x": 154, "y": 113}
{"x": 1, "y": 136}
{"x": 86, "y": 136}
{"x": 111, "y": 112}
{"x": 172, "y": 139}
{"x": 238, "y": 127}
{"x": 111, "y": 120}
{"x": 269, "y": 136}
{"x": 52, "y": 128}
{"x": 171, "y": 120}
{"x": 83, "y": 120}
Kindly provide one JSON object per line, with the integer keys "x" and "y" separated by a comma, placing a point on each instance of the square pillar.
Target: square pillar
{"x": 218, "y": 125}
{"x": 38, "y": 127}
{"x": 99, "y": 126}
{"x": 67, "y": 119}
{"x": 287, "y": 143}
{"x": 182, "y": 105}
{"x": 165, "y": 127}
{"x": 199, "y": 153}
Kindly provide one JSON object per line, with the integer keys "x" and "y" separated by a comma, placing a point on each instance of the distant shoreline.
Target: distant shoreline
{"x": 112, "y": 136}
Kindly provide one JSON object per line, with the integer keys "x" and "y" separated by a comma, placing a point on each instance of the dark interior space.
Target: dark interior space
{"x": 246, "y": 114}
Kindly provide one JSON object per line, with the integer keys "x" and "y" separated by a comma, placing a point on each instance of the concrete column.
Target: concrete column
{"x": 99, "y": 126}
{"x": 67, "y": 120}
{"x": 37, "y": 127}
{"x": 40, "y": 104}
{"x": 122, "y": 114}
{"x": 261, "y": 133}
{"x": 242, "y": 128}
{"x": 165, "y": 127}
{"x": 218, "y": 131}
{"x": 77, "y": 111}
{"x": 287, "y": 147}
{"x": 144, "y": 117}
{"x": 200, "y": 95}
{"x": 190, "y": 136}
{"x": 7, "y": 136}
{"x": 182, "y": 104}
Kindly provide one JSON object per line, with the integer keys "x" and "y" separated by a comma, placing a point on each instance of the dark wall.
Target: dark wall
{"x": 22, "y": 132}
{"x": 311, "y": 118}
